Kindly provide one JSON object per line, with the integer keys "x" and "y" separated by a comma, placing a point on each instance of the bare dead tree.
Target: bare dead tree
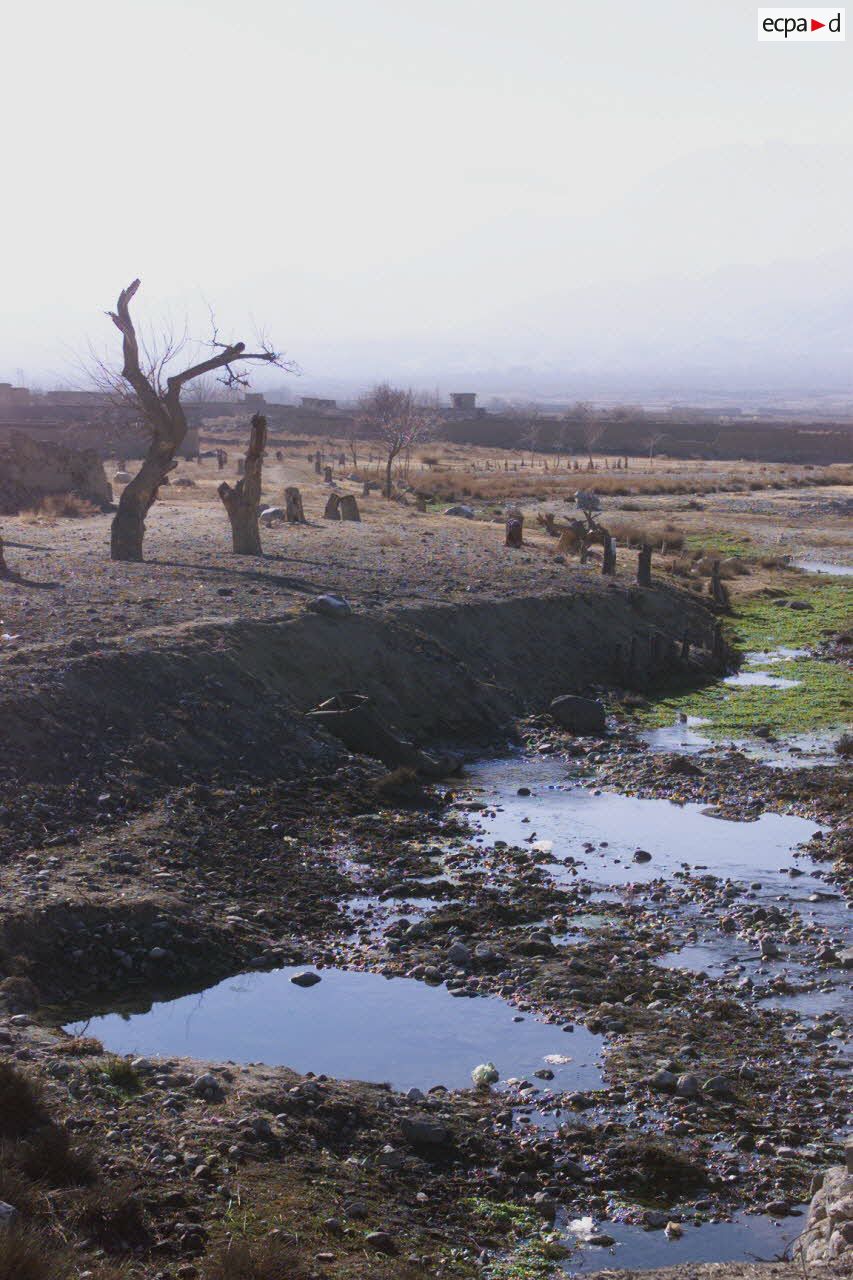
{"x": 653, "y": 439}
{"x": 398, "y": 420}
{"x": 593, "y": 429}
{"x": 157, "y": 394}
{"x": 242, "y": 501}
{"x": 352, "y": 434}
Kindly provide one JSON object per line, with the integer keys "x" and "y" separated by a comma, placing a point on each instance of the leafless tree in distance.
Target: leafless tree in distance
{"x": 400, "y": 422}
{"x": 145, "y": 380}
{"x": 653, "y": 439}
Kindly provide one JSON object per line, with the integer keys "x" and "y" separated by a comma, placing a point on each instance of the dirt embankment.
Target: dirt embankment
{"x": 180, "y": 703}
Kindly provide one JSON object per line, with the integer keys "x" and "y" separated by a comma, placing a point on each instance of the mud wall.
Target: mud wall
{"x": 31, "y": 469}
{"x": 205, "y": 698}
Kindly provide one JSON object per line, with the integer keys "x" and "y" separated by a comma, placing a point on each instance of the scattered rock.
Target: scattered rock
{"x": 579, "y": 715}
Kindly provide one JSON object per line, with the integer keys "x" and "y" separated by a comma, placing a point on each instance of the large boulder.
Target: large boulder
{"x": 579, "y": 715}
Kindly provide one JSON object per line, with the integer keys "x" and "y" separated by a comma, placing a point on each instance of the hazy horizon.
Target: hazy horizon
{"x": 539, "y": 199}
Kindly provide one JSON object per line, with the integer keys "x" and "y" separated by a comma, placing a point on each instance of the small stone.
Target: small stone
{"x": 305, "y": 979}
{"x": 8, "y": 1215}
{"x": 380, "y": 1240}
{"x": 664, "y": 1080}
{"x": 425, "y": 1133}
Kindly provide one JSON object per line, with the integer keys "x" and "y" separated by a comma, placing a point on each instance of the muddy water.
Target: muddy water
{"x": 356, "y": 1026}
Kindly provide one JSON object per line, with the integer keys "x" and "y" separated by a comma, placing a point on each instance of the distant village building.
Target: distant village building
{"x": 463, "y": 404}
{"x": 11, "y": 396}
{"x": 315, "y": 404}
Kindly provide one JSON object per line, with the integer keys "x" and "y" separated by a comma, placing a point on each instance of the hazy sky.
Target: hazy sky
{"x": 430, "y": 185}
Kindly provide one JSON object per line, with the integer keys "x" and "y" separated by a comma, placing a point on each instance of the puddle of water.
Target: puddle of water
{"x": 747, "y": 1238}
{"x": 617, "y": 825}
{"x": 680, "y": 737}
{"x": 824, "y": 566}
{"x": 353, "y": 1025}
{"x": 782, "y": 654}
{"x": 762, "y": 679}
{"x": 701, "y": 958}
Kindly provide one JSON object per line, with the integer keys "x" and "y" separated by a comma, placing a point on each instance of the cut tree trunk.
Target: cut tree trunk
{"x": 242, "y": 502}
{"x": 294, "y": 513}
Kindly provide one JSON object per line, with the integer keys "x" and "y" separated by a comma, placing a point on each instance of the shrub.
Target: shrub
{"x": 21, "y": 1102}
{"x": 25, "y": 1255}
{"x": 61, "y": 506}
{"x": 121, "y": 1073}
{"x": 267, "y": 1260}
{"x": 112, "y": 1216}
{"x": 48, "y": 1156}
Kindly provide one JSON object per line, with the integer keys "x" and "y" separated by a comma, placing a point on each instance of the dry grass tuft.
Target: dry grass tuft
{"x": 60, "y": 506}
{"x": 25, "y": 1255}
{"x": 266, "y": 1260}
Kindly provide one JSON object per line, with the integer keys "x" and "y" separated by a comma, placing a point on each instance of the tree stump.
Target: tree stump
{"x": 608, "y": 562}
{"x": 514, "y": 531}
{"x": 349, "y": 508}
{"x": 644, "y": 566}
{"x": 333, "y": 508}
{"x": 293, "y": 512}
{"x": 242, "y": 502}
{"x": 327, "y": 475}
{"x": 717, "y": 589}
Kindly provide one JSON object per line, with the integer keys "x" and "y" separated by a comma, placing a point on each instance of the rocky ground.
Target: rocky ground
{"x": 119, "y": 891}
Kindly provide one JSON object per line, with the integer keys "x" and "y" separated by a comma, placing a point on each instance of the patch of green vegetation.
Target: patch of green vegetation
{"x": 721, "y": 541}
{"x": 822, "y": 699}
{"x": 534, "y": 1256}
{"x": 760, "y": 622}
{"x": 118, "y": 1073}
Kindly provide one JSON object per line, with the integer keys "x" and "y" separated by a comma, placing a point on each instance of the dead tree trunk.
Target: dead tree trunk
{"x": 514, "y": 531}
{"x": 165, "y": 418}
{"x": 644, "y": 566}
{"x": 608, "y": 562}
{"x": 293, "y": 512}
{"x": 243, "y": 500}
